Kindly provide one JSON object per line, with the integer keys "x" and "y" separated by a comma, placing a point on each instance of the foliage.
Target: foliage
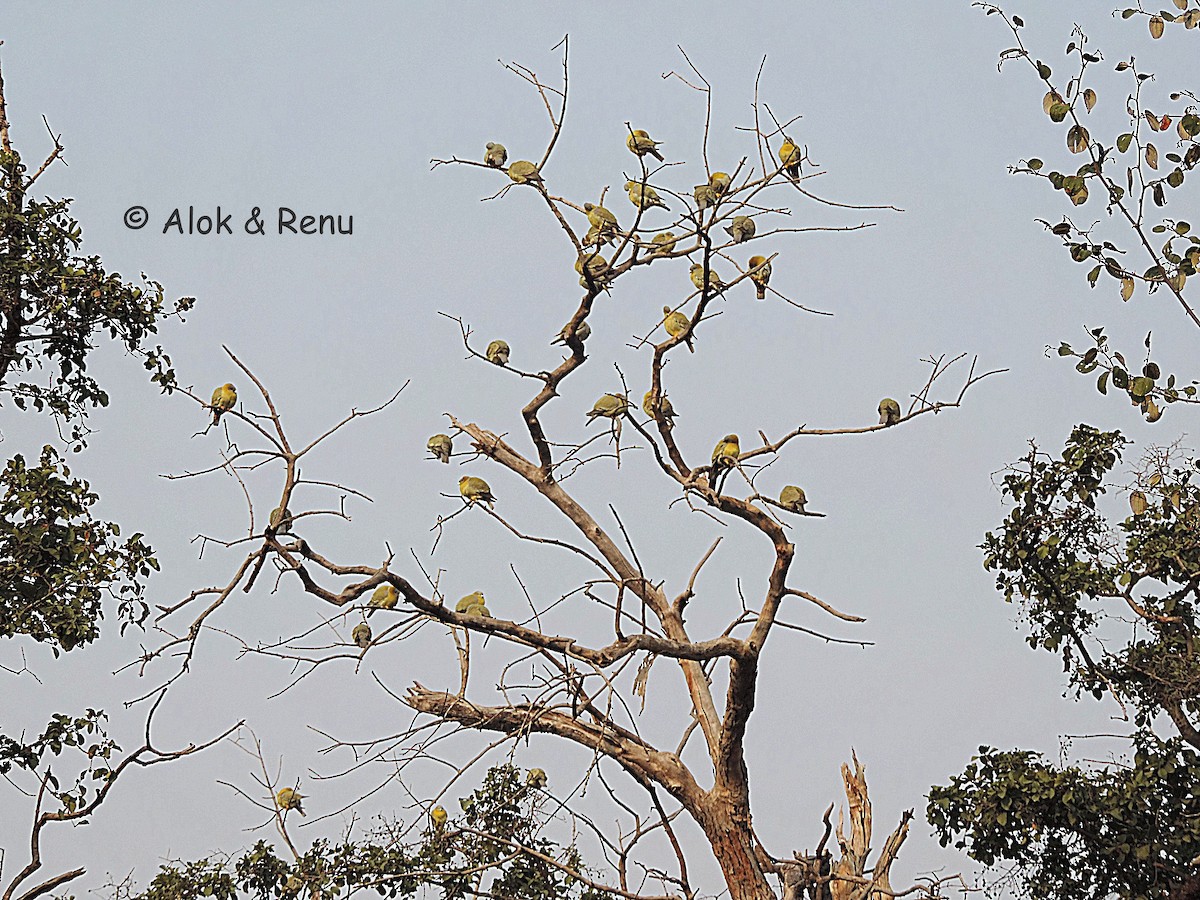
{"x": 496, "y": 848}
{"x": 55, "y": 303}
{"x": 1072, "y": 832}
{"x": 57, "y": 563}
{"x": 1065, "y": 562}
{"x": 1114, "y": 595}
{"x": 85, "y": 734}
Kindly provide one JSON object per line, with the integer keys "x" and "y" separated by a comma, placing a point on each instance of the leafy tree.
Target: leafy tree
{"x": 497, "y": 838}
{"x": 59, "y": 564}
{"x": 577, "y": 667}
{"x": 1111, "y": 588}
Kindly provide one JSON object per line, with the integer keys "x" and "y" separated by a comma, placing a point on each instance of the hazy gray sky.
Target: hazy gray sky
{"x": 338, "y": 108}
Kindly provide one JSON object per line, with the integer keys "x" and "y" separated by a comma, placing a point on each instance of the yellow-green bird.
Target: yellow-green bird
{"x": 223, "y": 399}
{"x": 583, "y": 331}
{"x": 676, "y": 324}
{"x": 643, "y": 196}
{"x": 590, "y": 264}
{"x": 609, "y": 406}
{"x": 720, "y": 182}
{"x": 496, "y": 155}
{"x": 385, "y": 597}
{"x": 287, "y": 798}
{"x": 439, "y": 816}
{"x": 280, "y": 519}
{"x": 889, "y": 411}
{"x": 478, "y": 609}
{"x": 760, "y": 274}
{"x": 497, "y": 353}
{"x": 475, "y": 490}
{"x": 600, "y": 217}
{"x": 725, "y": 454}
{"x": 715, "y": 285}
{"x": 441, "y": 446}
{"x": 536, "y": 779}
{"x": 524, "y": 172}
{"x": 362, "y": 635}
{"x": 664, "y": 404}
{"x": 641, "y": 143}
{"x": 790, "y": 156}
{"x": 706, "y": 195}
{"x": 742, "y": 228}
{"x": 472, "y": 599}
{"x": 792, "y": 497}
{"x": 663, "y": 243}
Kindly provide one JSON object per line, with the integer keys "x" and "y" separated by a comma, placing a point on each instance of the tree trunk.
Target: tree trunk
{"x": 732, "y": 840}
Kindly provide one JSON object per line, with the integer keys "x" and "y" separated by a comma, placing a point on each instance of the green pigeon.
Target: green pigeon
{"x": 441, "y": 446}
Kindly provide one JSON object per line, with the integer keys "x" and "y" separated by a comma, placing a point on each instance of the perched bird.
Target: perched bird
{"x": 287, "y": 798}
{"x": 664, "y": 405}
{"x": 742, "y": 228}
{"x": 720, "y": 182}
{"x": 601, "y": 219}
{"x": 706, "y": 195}
{"x": 715, "y": 285}
{"x": 663, "y": 243}
{"x": 439, "y": 816}
{"x": 590, "y": 264}
{"x": 280, "y": 519}
{"x": 475, "y": 490}
{"x": 792, "y": 497}
{"x": 362, "y": 635}
{"x": 760, "y": 274}
{"x": 536, "y": 778}
{"x": 524, "y": 172}
{"x": 643, "y": 196}
{"x": 583, "y": 331}
{"x": 478, "y": 609}
{"x": 676, "y": 324}
{"x": 497, "y": 352}
{"x": 889, "y": 411}
{"x": 441, "y": 446}
{"x": 496, "y": 155}
{"x": 385, "y": 597}
{"x": 790, "y": 156}
{"x": 474, "y": 599}
{"x": 640, "y": 144}
{"x": 223, "y": 399}
{"x": 609, "y": 406}
{"x": 725, "y": 454}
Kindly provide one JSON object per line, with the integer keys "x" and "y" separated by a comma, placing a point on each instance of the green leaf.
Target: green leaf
{"x": 1141, "y": 386}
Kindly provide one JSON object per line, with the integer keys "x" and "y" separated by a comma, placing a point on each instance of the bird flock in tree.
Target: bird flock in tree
{"x": 595, "y": 273}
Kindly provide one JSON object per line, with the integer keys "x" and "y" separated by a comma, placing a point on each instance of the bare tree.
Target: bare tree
{"x": 587, "y": 689}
